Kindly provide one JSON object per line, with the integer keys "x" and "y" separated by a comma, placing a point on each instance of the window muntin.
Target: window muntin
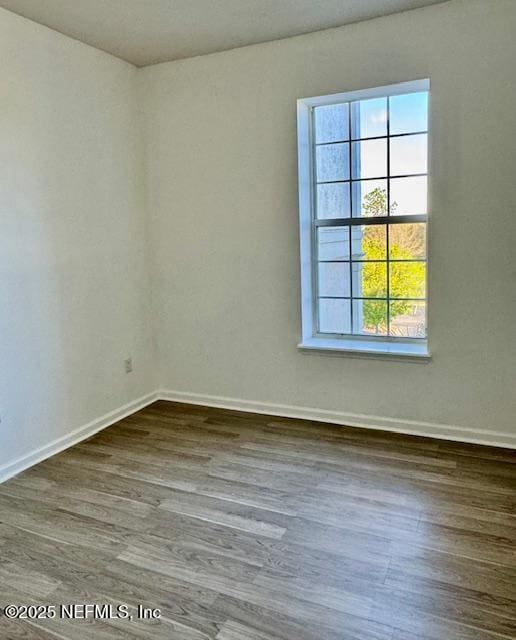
{"x": 369, "y": 214}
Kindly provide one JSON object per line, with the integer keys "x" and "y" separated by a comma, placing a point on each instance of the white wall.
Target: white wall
{"x": 221, "y": 233}
{"x": 222, "y": 185}
{"x": 73, "y": 240}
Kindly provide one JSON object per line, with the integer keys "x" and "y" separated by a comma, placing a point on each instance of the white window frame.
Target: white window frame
{"x": 408, "y": 348}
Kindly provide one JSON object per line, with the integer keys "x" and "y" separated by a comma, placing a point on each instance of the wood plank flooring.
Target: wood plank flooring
{"x": 248, "y": 527}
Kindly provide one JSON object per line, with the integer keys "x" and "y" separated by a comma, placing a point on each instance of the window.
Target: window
{"x": 363, "y": 212}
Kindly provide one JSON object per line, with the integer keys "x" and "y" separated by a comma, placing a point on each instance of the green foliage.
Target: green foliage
{"x": 375, "y": 203}
{"x": 407, "y": 280}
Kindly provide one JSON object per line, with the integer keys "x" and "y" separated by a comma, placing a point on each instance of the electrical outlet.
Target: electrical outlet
{"x": 128, "y": 364}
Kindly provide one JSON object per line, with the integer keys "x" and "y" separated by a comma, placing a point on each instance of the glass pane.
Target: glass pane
{"x": 369, "y": 242}
{"x": 334, "y": 316}
{"x": 369, "y": 118}
{"x": 408, "y": 113}
{"x": 408, "y": 196}
{"x": 370, "y": 159}
{"x": 331, "y": 123}
{"x": 333, "y": 243}
{"x": 332, "y": 162}
{"x": 407, "y": 241}
{"x": 407, "y": 279}
{"x": 370, "y": 317}
{"x": 369, "y": 279}
{"x": 333, "y": 200}
{"x": 369, "y": 198}
{"x": 334, "y": 279}
{"x": 408, "y": 155}
{"x": 408, "y": 319}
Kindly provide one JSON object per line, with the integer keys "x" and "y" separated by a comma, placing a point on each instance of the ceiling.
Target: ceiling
{"x": 149, "y": 31}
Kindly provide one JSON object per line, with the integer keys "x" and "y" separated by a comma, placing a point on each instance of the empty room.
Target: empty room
{"x": 257, "y": 320}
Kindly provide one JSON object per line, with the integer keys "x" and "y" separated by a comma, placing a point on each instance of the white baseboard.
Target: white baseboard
{"x": 410, "y": 427}
{"x": 38, "y": 455}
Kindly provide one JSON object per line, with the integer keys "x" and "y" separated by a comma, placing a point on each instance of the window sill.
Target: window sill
{"x": 411, "y": 351}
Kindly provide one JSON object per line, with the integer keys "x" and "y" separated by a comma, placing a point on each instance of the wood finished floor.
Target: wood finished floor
{"x": 249, "y": 527}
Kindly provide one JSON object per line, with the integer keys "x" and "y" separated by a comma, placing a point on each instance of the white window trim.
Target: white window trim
{"x": 310, "y": 341}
